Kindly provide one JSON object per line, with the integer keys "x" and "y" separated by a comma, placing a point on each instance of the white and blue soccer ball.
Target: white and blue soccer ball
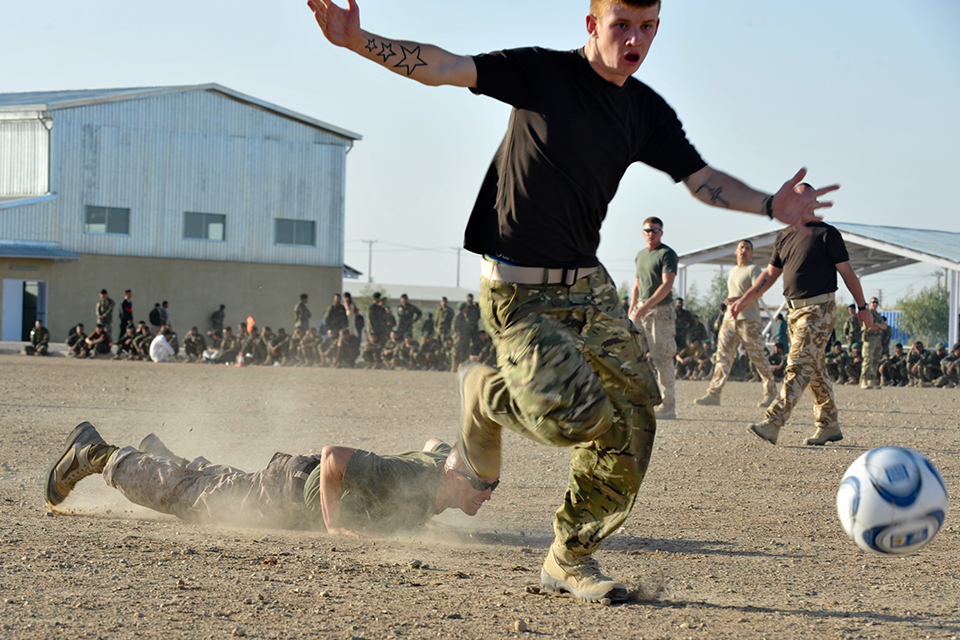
{"x": 892, "y": 500}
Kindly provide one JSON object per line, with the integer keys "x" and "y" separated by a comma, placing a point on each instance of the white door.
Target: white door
{"x": 12, "y": 327}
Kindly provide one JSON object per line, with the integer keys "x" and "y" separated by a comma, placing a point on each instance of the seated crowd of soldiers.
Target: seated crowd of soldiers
{"x": 345, "y": 338}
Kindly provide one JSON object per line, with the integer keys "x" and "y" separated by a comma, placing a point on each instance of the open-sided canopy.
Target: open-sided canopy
{"x": 872, "y": 249}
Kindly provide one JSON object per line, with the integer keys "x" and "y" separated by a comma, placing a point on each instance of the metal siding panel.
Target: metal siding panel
{"x": 24, "y": 158}
{"x": 203, "y": 152}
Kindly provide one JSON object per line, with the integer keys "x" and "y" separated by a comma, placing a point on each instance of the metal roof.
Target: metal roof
{"x": 36, "y": 250}
{"x": 52, "y": 100}
{"x": 872, "y": 248}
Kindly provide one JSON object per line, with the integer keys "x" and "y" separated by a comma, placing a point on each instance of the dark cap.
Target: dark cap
{"x": 103, "y": 291}
{"x": 376, "y": 295}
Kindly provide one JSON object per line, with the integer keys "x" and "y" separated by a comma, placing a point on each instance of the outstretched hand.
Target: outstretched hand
{"x": 797, "y": 207}
{"x": 340, "y": 26}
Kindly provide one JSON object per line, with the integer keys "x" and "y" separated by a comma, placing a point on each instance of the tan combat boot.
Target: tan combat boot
{"x": 823, "y": 436}
{"x": 564, "y": 573}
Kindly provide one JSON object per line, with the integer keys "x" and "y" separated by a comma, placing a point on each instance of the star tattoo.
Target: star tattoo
{"x": 371, "y": 44}
{"x": 411, "y": 60}
{"x": 386, "y": 51}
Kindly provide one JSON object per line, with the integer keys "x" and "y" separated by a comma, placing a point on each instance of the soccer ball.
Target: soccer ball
{"x": 892, "y": 500}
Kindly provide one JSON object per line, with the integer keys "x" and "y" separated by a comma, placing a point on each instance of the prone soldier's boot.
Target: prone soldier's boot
{"x": 565, "y": 573}
{"x": 85, "y": 454}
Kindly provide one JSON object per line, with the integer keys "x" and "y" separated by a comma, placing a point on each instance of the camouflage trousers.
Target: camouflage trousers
{"x": 660, "y": 332}
{"x": 212, "y": 493}
{"x": 872, "y": 353}
{"x": 572, "y": 374}
{"x": 736, "y": 332}
{"x": 809, "y": 329}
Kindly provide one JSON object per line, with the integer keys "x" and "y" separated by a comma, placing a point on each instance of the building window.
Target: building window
{"x": 298, "y": 232}
{"x": 204, "y": 226}
{"x": 110, "y": 220}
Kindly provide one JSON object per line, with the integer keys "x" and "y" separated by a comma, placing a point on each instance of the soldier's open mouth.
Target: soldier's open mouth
{"x": 633, "y": 57}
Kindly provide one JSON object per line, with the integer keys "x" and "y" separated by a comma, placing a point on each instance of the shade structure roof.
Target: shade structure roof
{"x": 872, "y": 249}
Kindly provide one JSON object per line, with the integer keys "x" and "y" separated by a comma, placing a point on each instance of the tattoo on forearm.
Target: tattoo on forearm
{"x": 715, "y": 193}
{"x": 411, "y": 59}
{"x": 386, "y": 51}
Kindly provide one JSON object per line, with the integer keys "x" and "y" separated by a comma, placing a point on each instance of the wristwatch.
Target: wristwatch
{"x": 861, "y": 308}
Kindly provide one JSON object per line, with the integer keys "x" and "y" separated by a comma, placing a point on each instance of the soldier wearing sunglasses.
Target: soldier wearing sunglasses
{"x": 342, "y": 490}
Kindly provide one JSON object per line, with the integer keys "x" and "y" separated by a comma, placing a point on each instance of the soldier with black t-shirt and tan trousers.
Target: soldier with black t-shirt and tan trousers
{"x": 810, "y": 264}
{"x": 571, "y": 369}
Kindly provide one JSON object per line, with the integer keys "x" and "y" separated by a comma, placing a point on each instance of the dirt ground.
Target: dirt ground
{"x": 730, "y": 537}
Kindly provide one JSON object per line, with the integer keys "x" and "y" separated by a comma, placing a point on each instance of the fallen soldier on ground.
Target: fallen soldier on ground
{"x": 341, "y": 490}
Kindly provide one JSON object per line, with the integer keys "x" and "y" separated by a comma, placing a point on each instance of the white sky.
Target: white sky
{"x": 866, "y": 94}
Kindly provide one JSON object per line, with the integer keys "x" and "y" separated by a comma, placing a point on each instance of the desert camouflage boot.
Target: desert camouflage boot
{"x": 580, "y": 577}
{"x": 766, "y": 431}
{"x": 85, "y": 454}
{"x": 823, "y": 436}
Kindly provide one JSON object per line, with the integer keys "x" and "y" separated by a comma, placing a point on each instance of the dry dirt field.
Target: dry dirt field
{"x": 730, "y": 538}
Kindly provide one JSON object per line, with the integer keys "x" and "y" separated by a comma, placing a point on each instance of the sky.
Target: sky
{"x": 865, "y": 94}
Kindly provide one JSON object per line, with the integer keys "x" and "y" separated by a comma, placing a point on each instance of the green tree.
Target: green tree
{"x": 926, "y": 315}
{"x": 706, "y": 306}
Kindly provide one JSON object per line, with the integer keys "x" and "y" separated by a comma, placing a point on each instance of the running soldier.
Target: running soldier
{"x": 572, "y": 370}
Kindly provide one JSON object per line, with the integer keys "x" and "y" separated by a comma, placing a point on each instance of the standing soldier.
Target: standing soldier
{"x": 156, "y": 318}
{"x": 301, "y": 313}
{"x": 105, "y": 306}
{"x": 460, "y": 352}
{"x": 744, "y": 330}
{"x": 473, "y": 316}
{"x": 407, "y": 315}
{"x": 685, "y": 324}
{"x": 336, "y": 316}
{"x": 651, "y": 304}
{"x": 377, "y": 316}
{"x": 444, "y": 315}
{"x": 873, "y": 348}
{"x": 126, "y": 311}
{"x": 851, "y": 326}
{"x": 426, "y": 328}
{"x": 217, "y": 318}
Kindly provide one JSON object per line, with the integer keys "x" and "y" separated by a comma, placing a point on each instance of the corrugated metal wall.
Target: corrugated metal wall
{"x": 24, "y": 158}
{"x": 196, "y": 151}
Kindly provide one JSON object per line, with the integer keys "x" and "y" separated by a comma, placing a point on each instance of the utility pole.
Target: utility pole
{"x": 458, "y": 250}
{"x": 370, "y": 259}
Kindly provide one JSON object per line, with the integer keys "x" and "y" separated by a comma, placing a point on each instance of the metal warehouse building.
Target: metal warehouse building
{"x": 198, "y": 195}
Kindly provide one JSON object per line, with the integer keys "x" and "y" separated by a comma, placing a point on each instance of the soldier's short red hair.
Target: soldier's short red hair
{"x": 599, "y": 7}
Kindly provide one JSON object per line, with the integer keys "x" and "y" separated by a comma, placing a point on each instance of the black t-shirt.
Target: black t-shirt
{"x": 571, "y": 137}
{"x": 808, "y": 261}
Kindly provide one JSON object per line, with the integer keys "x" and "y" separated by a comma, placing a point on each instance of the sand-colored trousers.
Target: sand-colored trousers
{"x": 809, "y": 329}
